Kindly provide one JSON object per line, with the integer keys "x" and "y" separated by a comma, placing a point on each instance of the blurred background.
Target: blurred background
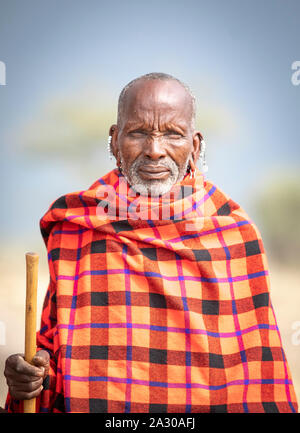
{"x": 66, "y": 63}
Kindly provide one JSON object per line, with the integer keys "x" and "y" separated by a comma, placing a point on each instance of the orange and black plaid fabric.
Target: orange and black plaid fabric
{"x": 158, "y": 315}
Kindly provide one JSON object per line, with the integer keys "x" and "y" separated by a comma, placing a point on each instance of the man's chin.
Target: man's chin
{"x": 153, "y": 188}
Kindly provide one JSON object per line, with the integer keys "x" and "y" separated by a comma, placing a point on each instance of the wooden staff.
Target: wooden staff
{"x": 32, "y": 261}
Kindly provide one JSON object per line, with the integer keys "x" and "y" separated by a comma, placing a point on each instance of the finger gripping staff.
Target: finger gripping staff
{"x": 32, "y": 260}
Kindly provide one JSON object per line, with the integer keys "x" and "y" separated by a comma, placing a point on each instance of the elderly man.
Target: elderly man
{"x": 158, "y": 298}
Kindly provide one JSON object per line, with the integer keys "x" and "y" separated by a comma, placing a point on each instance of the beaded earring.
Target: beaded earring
{"x": 109, "y": 147}
{"x": 202, "y": 157}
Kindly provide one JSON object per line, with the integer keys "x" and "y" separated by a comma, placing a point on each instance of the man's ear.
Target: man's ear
{"x": 113, "y": 133}
{"x": 197, "y": 138}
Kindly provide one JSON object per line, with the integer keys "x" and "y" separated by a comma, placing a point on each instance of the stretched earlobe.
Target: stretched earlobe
{"x": 119, "y": 165}
{"x": 191, "y": 168}
{"x": 192, "y": 164}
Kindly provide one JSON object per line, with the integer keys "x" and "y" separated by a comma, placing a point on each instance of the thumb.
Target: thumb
{"x": 42, "y": 359}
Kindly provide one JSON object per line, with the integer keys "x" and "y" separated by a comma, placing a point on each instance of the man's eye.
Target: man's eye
{"x": 173, "y": 134}
{"x": 137, "y": 134}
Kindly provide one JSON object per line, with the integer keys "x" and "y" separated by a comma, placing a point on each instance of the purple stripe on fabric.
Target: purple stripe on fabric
{"x": 71, "y": 322}
{"x": 44, "y": 329}
{"x": 155, "y": 230}
{"x": 117, "y": 172}
{"x": 87, "y": 212}
{"x": 211, "y": 231}
{"x": 70, "y": 232}
{"x": 235, "y": 315}
{"x": 202, "y": 233}
{"x": 188, "y": 363}
{"x": 123, "y": 198}
{"x": 129, "y": 333}
{"x": 168, "y": 278}
{"x": 44, "y": 409}
{"x": 100, "y": 180}
{"x": 175, "y": 385}
{"x": 196, "y": 205}
{"x": 169, "y": 328}
{"x": 116, "y": 186}
{"x": 72, "y": 217}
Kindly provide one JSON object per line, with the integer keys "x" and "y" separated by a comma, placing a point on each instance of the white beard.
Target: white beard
{"x": 153, "y": 187}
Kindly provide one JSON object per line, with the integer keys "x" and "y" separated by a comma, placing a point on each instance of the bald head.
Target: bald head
{"x": 140, "y": 87}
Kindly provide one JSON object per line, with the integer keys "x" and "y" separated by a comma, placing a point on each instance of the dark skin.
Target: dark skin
{"x": 23, "y": 379}
{"x": 155, "y": 125}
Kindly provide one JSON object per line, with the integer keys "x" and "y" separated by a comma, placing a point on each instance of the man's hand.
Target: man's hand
{"x": 23, "y": 379}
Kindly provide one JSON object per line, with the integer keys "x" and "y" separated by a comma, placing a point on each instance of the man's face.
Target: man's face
{"x": 155, "y": 140}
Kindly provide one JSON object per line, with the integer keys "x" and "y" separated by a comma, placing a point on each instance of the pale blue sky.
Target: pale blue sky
{"x": 234, "y": 54}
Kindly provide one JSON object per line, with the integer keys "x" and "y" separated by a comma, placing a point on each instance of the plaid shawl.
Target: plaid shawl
{"x": 158, "y": 315}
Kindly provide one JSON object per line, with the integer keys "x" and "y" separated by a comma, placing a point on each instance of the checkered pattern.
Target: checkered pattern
{"x": 147, "y": 316}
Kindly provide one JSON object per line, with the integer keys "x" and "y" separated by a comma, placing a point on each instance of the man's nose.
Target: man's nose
{"x": 154, "y": 148}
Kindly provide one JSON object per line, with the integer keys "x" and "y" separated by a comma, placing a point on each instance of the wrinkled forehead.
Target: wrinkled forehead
{"x": 161, "y": 100}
